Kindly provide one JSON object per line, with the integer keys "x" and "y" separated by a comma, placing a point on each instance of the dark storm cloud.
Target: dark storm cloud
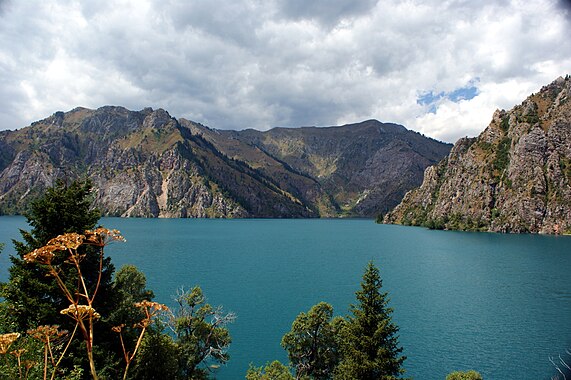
{"x": 327, "y": 12}
{"x": 565, "y": 7}
{"x": 565, "y": 4}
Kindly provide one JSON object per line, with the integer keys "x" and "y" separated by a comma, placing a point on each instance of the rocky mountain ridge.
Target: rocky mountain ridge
{"x": 149, "y": 164}
{"x": 514, "y": 177}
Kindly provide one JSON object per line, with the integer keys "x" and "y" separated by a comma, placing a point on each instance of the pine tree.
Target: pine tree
{"x": 32, "y": 298}
{"x": 369, "y": 341}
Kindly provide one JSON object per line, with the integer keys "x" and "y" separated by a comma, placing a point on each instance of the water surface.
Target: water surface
{"x": 500, "y": 304}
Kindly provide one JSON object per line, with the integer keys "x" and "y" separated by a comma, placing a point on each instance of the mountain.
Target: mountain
{"x": 362, "y": 169}
{"x": 514, "y": 177}
{"x": 149, "y": 164}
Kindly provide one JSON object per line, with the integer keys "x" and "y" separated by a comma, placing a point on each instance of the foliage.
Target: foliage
{"x": 65, "y": 270}
{"x": 505, "y": 124}
{"x": 74, "y": 288}
{"x": 24, "y": 356}
{"x": 32, "y": 297}
{"x": 502, "y": 159}
{"x": 312, "y": 343}
{"x": 81, "y": 298}
{"x": 272, "y": 371}
{"x": 150, "y": 311}
{"x": 361, "y": 346}
{"x": 370, "y": 347}
{"x": 201, "y": 334}
{"x": 63, "y": 208}
{"x": 129, "y": 288}
{"x": 457, "y": 221}
{"x": 61, "y": 276}
{"x": 460, "y": 375}
{"x": 157, "y": 357}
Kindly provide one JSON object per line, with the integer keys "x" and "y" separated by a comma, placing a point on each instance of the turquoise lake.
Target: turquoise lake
{"x": 500, "y": 304}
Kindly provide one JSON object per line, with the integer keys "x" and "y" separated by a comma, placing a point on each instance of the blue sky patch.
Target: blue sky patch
{"x": 431, "y": 98}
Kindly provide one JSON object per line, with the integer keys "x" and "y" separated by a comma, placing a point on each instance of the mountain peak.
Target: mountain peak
{"x": 147, "y": 163}
{"x": 514, "y": 177}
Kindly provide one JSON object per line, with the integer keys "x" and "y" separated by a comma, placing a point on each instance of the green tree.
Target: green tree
{"x": 129, "y": 287}
{"x": 273, "y": 371}
{"x": 312, "y": 343}
{"x": 369, "y": 341}
{"x": 32, "y": 298}
{"x": 201, "y": 333}
{"x": 157, "y": 357}
{"x": 468, "y": 375}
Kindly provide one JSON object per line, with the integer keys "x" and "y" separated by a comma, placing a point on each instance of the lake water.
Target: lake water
{"x": 500, "y": 304}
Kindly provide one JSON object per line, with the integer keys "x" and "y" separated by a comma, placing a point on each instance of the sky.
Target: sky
{"x": 439, "y": 67}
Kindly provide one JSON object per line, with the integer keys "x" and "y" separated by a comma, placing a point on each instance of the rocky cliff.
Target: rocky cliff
{"x": 357, "y": 169}
{"x": 514, "y": 177}
{"x": 148, "y": 164}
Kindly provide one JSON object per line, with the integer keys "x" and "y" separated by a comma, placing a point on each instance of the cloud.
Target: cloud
{"x": 565, "y": 6}
{"x": 327, "y": 12}
{"x": 441, "y": 68}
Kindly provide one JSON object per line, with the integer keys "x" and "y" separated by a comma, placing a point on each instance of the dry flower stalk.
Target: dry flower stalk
{"x": 18, "y": 354}
{"x": 6, "y": 341}
{"x": 47, "y": 333}
{"x": 100, "y": 237}
{"x": 80, "y": 312}
{"x": 151, "y": 309}
{"x": 84, "y": 314}
{"x": 50, "y": 335}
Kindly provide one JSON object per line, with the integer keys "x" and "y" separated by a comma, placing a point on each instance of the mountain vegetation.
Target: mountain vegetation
{"x": 514, "y": 177}
{"x": 148, "y": 164}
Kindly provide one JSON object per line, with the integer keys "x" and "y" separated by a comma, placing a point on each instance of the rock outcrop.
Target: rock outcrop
{"x": 514, "y": 177}
{"x": 148, "y": 164}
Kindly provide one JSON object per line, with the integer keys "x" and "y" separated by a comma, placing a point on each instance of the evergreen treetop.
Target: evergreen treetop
{"x": 63, "y": 208}
{"x": 369, "y": 343}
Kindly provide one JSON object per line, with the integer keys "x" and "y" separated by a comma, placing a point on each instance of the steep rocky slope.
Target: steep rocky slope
{"x": 148, "y": 164}
{"x": 514, "y": 177}
{"x": 365, "y": 168}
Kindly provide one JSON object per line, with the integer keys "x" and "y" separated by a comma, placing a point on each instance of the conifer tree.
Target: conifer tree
{"x": 369, "y": 341}
{"x": 32, "y": 298}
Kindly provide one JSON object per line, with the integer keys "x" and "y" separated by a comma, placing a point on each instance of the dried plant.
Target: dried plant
{"x": 51, "y": 336}
{"x": 150, "y": 310}
{"x": 81, "y": 298}
{"x": 6, "y": 341}
{"x": 18, "y": 354}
